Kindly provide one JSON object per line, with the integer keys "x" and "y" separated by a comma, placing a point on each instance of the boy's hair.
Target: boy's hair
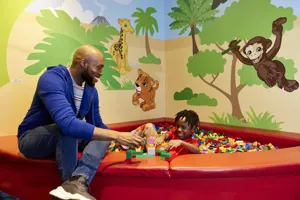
{"x": 191, "y": 117}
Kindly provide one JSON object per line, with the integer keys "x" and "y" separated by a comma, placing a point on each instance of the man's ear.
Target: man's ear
{"x": 83, "y": 63}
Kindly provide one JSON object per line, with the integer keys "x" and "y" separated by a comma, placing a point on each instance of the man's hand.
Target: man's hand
{"x": 174, "y": 144}
{"x": 129, "y": 139}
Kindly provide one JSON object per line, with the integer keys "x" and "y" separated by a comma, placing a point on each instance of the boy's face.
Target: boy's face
{"x": 184, "y": 130}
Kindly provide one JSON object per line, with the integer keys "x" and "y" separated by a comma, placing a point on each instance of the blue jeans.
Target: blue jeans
{"x": 48, "y": 142}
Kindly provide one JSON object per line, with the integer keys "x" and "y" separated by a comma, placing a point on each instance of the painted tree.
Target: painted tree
{"x": 192, "y": 14}
{"x": 9, "y": 13}
{"x": 146, "y": 23}
{"x": 64, "y": 36}
{"x": 232, "y": 28}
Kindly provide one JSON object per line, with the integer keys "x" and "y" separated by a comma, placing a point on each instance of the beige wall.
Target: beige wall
{"x": 283, "y": 105}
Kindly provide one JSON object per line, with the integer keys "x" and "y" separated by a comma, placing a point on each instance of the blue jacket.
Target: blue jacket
{"x": 53, "y": 102}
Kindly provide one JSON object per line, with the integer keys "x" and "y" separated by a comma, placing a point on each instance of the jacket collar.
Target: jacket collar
{"x": 87, "y": 96}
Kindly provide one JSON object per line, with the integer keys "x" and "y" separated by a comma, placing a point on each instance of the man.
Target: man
{"x": 54, "y": 126}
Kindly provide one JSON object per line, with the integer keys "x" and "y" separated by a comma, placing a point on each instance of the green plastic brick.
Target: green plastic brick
{"x": 145, "y": 156}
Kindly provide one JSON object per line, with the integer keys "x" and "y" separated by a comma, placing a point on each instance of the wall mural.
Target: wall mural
{"x": 37, "y": 34}
{"x": 146, "y": 23}
{"x": 119, "y": 49}
{"x": 220, "y": 49}
{"x": 66, "y": 32}
{"x": 268, "y": 70}
{"x": 146, "y": 88}
{"x": 260, "y": 66}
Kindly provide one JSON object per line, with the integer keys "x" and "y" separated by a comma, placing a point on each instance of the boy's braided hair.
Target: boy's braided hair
{"x": 191, "y": 117}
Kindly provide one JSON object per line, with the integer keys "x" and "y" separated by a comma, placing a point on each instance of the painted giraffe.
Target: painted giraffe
{"x": 119, "y": 50}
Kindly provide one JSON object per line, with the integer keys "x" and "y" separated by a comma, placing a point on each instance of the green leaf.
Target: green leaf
{"x": 150, "y": 11}
{"x": 101, "y": 33}
{"x": 185, "y": 7}
{"x": 202, "y": 99}
{"x": 227, "y": 120}
{"x": 191, "y": 13}
{"x": 179, "y": 16}
{"x": 178, "y": 24}
{"x": 262, "y": 121}
{"x": 185, "y": 94}
{"x": 62, "y": 24}
{"x": 184, "y": 29}
{"x": 145, "y": 21}
{"x": 198, "y": 63}
{"x": 231, "y": 28}
{"x": 150, "y": 59}
{"x": 49, "y": 55}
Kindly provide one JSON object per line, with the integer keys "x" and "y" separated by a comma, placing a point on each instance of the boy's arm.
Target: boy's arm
{"x": 193, "y": 147}
{"x": 163, "y": 137}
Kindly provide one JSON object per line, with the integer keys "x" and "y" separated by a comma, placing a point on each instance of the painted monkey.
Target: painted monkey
{"x": 268, "y": 70}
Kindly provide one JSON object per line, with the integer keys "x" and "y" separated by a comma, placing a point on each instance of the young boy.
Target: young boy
{"x": 180, "y": 138}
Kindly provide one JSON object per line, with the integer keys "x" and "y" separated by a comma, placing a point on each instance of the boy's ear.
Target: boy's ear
{"x": 194, "y": 128}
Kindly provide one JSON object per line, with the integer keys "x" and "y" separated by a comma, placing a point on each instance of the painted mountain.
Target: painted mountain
{"x": 99, "y": 20}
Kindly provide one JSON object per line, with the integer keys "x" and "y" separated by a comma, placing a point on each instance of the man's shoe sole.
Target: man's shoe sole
{"x": 60, "y": 194}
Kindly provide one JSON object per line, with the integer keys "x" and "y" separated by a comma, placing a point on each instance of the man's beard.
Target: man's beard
{"x": 87, "y": 78}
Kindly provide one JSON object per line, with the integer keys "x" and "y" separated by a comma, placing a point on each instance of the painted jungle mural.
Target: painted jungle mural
{"x": 245, "y": 46}
{"x": 38, "y": 34}
{"x": 234, "y": 62}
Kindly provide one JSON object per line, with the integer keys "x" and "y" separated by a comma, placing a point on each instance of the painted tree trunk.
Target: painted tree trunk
{"x": 234, "y": 98}
{"x": 195, "y": 47}
{"x": 236, "y": 108}
{"x": 148, "y": 50}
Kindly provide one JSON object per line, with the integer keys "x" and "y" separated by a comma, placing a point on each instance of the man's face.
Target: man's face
{"x": 184, "y": 130}
{"x": 93, "y": 71}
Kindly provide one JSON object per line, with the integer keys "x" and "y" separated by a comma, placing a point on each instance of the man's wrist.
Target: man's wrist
{"x": 104, "y": 134}
{"x": 113, "y": 134}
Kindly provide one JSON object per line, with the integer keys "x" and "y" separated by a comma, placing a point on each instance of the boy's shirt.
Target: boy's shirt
{"x": 181, "y": 150}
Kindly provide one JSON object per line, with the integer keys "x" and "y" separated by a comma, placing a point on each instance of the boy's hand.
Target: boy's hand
{"x": 174, "y": 144}
{"x": 159, "y": 140}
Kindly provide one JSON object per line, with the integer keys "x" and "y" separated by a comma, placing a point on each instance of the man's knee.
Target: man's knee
{"x": 98, "y": 146}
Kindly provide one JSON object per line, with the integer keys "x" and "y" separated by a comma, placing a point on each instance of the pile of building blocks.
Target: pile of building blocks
{"x": 209, "y": 142}
{"x": 164, "y": 155}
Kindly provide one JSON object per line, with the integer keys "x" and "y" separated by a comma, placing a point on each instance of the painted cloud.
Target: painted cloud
{"x": 72, "y": 7}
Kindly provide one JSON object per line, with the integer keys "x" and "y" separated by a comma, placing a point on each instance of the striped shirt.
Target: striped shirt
{"x": 78, "y": 93}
